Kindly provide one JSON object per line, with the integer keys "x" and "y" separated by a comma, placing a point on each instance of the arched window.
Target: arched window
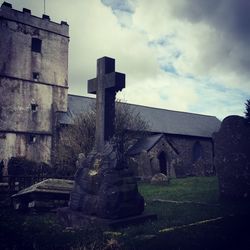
{"x": 197, "y": 151}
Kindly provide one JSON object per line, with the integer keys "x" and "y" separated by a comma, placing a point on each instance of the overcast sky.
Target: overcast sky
{"x": 187, "y": 55}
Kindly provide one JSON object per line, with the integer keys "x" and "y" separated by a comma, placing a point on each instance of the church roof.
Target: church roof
{"x": 159, "y": 120}
{"x": 145, "y": 143}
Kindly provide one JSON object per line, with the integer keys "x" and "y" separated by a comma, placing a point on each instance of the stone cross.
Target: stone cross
{"x": 105, "y": 86}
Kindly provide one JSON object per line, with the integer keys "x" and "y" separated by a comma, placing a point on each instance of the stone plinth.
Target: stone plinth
{"x": 105, "y": 187}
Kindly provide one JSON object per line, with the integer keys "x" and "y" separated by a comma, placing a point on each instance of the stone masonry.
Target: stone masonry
{"x": 31, "y": 94}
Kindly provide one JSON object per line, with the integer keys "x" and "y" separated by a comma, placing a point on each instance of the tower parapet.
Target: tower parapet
{"x": 25, "y": 17}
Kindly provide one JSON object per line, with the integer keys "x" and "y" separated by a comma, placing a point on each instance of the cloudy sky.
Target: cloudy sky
{"x": 183, "y": 55}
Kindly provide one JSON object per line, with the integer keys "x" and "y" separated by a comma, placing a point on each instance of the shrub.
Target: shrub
{"x": 18, "y": 166}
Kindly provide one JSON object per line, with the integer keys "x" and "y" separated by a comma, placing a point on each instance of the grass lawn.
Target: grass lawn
{"x": 200, "y": 189}
{"x": 19, "y": 231}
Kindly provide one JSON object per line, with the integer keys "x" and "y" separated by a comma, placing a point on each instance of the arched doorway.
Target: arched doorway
{"x": 163, "y": 162}
{"x": 197, "y": 151}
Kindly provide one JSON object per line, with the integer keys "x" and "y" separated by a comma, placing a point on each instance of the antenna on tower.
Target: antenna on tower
{"x": 44, "y": 6}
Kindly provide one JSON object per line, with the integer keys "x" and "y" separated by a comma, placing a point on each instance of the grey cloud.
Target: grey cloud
{"x": 120, "y": 5}
{"x": 232, "y": 16}
{"x": 231, "y": 21}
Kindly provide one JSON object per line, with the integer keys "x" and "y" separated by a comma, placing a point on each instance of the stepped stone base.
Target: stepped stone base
{"x": 105, "y": 187}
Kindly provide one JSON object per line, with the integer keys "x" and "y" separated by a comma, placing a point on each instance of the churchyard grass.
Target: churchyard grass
{"x": 199, "y": 189}
{"x": 198, "y": 201}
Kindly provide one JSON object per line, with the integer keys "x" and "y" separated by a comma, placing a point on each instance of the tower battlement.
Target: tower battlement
{"x": 25, "y": 17}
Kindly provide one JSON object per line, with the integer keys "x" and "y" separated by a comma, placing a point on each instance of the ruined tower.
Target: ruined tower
{"x": 33, "y": 82}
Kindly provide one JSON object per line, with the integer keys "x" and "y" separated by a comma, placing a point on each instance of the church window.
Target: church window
{"x": 32, "y": 139}
{"x": 35, "y": 76}
{"x": 33, "y": 107}
{"x": 197, "y": 151}
{"x": 36, "y": 45}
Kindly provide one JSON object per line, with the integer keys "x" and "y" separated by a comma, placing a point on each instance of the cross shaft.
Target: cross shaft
{"x": 105, "y": 86}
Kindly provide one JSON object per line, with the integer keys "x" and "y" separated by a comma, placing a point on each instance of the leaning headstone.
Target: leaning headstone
{"x": 232, "y": 158}
{"x": 105, "y": 188}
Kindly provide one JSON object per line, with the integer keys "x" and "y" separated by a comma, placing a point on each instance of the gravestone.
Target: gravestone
{"x": 232, "y": 158}
{"x": 105, "y": 187}
{"x": 45, "y": 195}
{"x": 160, "y": 178}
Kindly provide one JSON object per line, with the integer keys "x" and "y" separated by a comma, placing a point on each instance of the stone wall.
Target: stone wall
{"x": 203, "y": 165}
{"x": 19, "y": 144}
{"x": 33, "y": 83}
{"x": 179, "y": 156}
{"x": 13, "y": 144}
{"x": 17, "y": 30}
{"x": 16, "y": 100}
{"x": 148, "y": 162}
{"x": 172, "y": 157}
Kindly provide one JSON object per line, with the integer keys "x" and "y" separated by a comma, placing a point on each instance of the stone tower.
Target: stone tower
{"x": 33, "y": 82}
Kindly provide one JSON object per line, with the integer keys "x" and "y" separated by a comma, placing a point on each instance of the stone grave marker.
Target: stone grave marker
{"x": 46, "y": 195}
{"x": 105, "y": 189}
{"x": 232, "y": 158}
{"x": 105, "y": 86}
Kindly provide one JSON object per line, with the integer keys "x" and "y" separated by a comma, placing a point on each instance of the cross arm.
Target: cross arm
{"x": 92, "y": 86}
{"x": 115, "y": 80}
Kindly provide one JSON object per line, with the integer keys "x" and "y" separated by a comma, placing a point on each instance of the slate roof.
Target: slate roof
{"x": 144, "y": 144}
{"x": 159, "y": 120}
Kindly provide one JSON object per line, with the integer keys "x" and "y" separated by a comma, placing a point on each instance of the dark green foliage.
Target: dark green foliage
{"x": 18, "y": 166}
{"x": 247, "y": 112}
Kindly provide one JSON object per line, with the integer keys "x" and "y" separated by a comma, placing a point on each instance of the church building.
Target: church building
{"x": 177, "y": 143}
{"x": 34, "y": 102}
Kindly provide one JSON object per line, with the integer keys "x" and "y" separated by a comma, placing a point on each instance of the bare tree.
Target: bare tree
{"x": 247, "y": 112}
{"x": 129, "y": 126}
{"x": 79, "y": 137}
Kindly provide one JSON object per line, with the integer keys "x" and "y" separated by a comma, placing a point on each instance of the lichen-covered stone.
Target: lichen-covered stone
{"x": 232, "y": 158}
{"x": 105, "y": 187}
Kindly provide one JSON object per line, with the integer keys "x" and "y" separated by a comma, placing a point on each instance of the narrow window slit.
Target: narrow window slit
{"x": 33, "y": 107}
{"x": 36, "y": 45}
